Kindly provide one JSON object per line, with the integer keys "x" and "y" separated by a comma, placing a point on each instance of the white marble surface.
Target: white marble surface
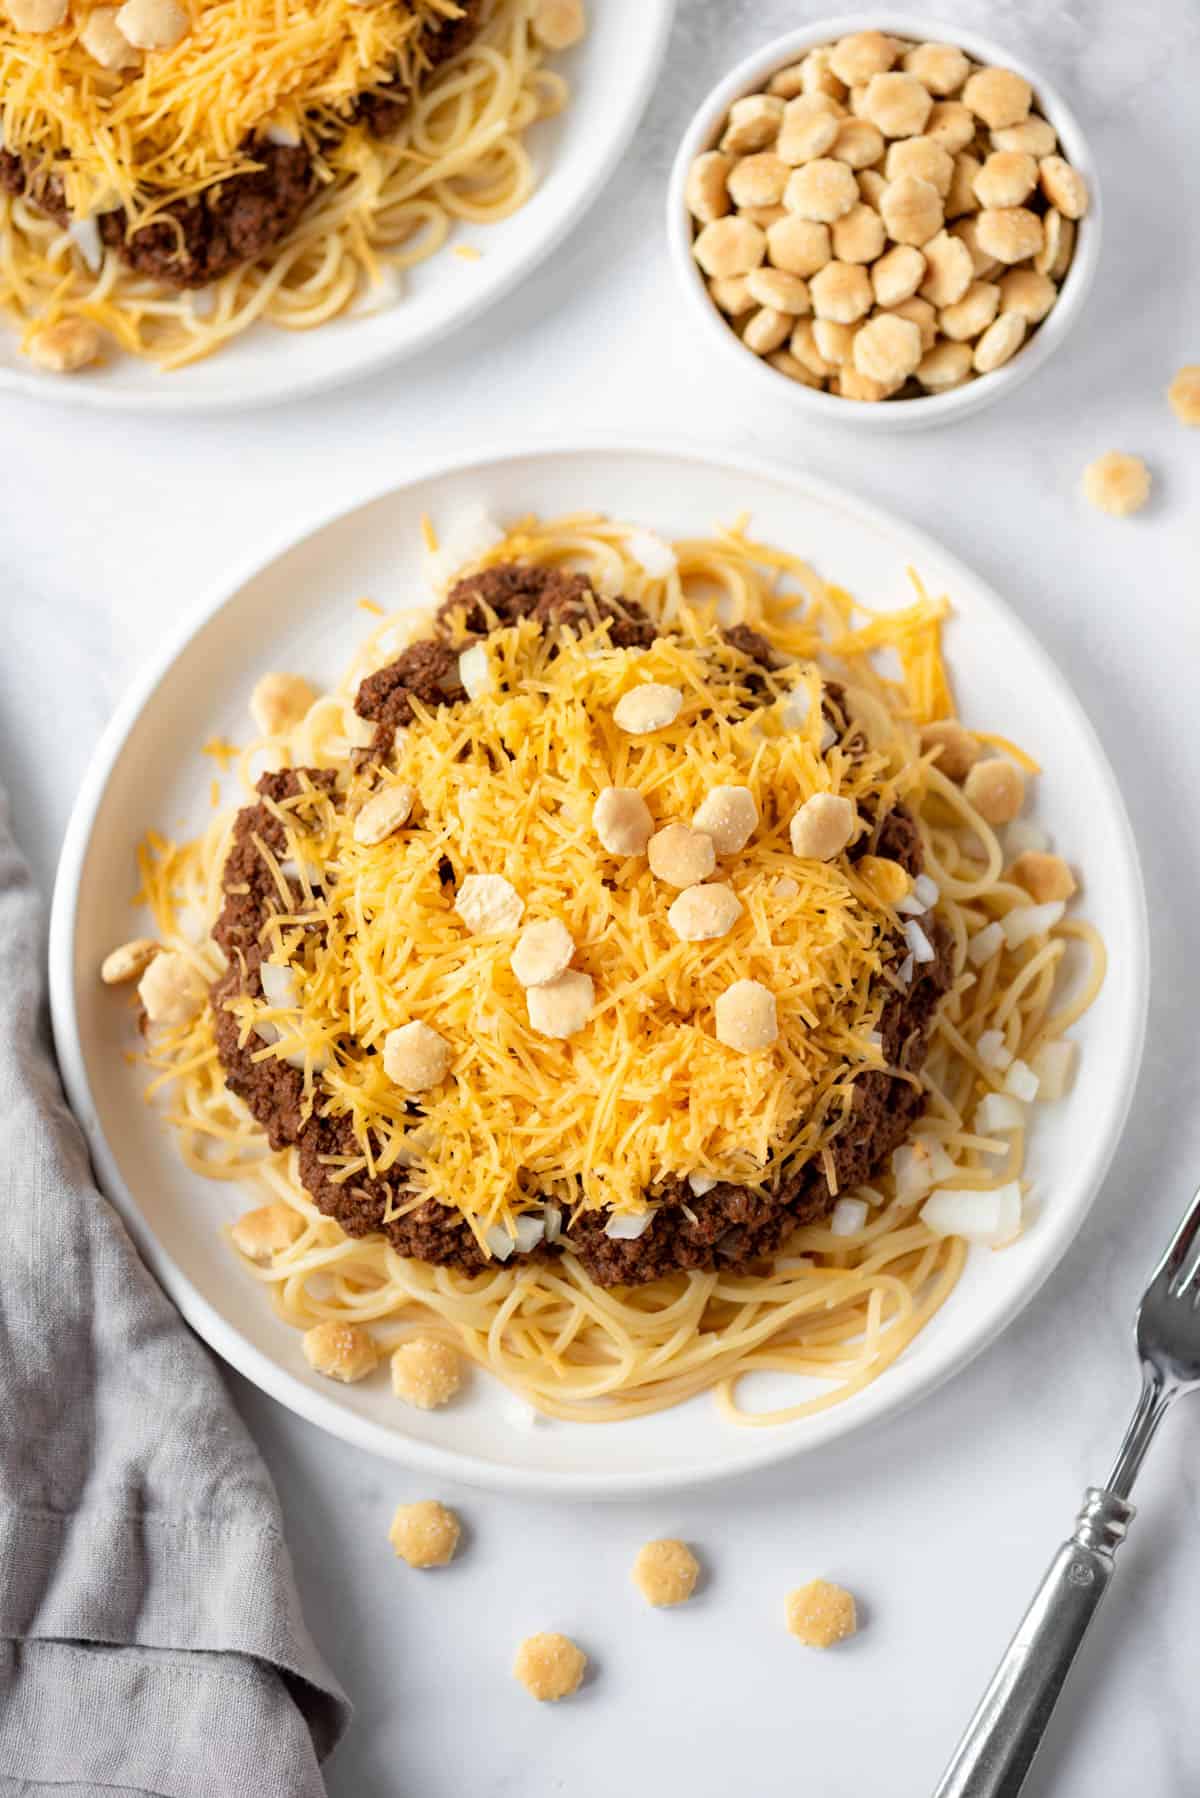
{"x": 943, "y": 1521}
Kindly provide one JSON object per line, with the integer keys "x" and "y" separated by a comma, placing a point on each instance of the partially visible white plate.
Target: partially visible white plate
{"x": 295, "y": 608}
{"x": 612, "y": 75}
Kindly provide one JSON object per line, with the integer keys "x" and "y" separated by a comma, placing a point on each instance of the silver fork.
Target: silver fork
{"x": 997, "y": 1750}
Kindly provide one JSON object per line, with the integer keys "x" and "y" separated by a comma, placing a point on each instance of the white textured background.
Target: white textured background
{"x": 942, "y": 1522}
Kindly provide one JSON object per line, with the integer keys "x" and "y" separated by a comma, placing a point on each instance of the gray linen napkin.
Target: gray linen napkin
{"x": 151, "y": 1639}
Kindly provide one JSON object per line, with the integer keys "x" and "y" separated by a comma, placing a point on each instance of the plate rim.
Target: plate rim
{"x": 222, "y": 1337}
{"x": 96, "y": 397}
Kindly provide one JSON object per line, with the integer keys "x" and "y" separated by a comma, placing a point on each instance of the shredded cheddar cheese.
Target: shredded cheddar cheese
{"x": 381, "y": 939}
{"x": 183, "y": 118}
{"x": 505, "y": 786}
{"x": 223, "y": 752}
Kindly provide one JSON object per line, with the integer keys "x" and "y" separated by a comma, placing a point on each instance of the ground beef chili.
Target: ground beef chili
{"x": 759, "y": 656}
{"x": 273, "y": 1091}
{"x": 504, "y": 595}
{"x": 426, "y": 674}
{"x": 383, "y": 111}
{"x": 199, "y": 239}
{"x": 730, "y": 1227}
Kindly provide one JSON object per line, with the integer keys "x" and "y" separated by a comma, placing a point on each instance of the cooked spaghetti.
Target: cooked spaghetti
{"x": 617, "y": 1209}
{"x": 285, "y": 165}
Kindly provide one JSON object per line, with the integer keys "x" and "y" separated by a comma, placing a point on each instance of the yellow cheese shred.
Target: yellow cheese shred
{"x": 505, "y": 785}
{"x": 180, "y": 121}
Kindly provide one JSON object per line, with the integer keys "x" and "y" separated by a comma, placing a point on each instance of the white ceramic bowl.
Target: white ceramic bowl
{"x": 751, "y": 76}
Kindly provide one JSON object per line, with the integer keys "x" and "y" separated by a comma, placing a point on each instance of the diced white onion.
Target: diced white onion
{"x": 1054, "y": 1065}
{"x": 360, "y": 732}
{"x": 475, "y": 671}
{"x": 653, "y": 555}
{"x": 499, "y": 1242}
{"x": 1025, "y": 921}
{"x": 795, "y": 708}
{"x": 998, "y": 1112}
{"x": 848, "y": 1217}
{"x": 984, "y": 944}
{"x": 291, "y": 869}
{"x": 993, "y": 1218}
{"x": 1021, "y": 1081}
{"x": 912, "y": 1171}
{"x": 279, "y": 986}
{"x": 905, "y": 972}
{"x": 85, "y": 235}
{"x": 469, "y": 538}
{"x": 909, "y": 906}
{"x": 628, "y": 1229}
{"x": 280, "y": 990}
{"x": 994, "y": 1052}
{"x": 701, "y": 1183}
{"x": 874, "y": 1040}
{"x": 926, "y": 890}
{"x": 528, "y": 1231}
{"x": 1022, "y": 835}
{"x": 552, "y": 1215}
{"x": 940, "y": 1161}
{"x": 284, "y": 137}
{"x": 919, "y": 1165}
{"x": 920, "y": 945}
{"x": 828, "y": 736}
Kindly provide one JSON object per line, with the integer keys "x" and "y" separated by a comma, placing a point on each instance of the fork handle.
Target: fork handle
{"x": 1002, "y": 1738}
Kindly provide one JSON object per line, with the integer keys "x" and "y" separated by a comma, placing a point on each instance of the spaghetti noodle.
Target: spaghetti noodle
{"x": 847, "y": 1293}
{"x": 380, "y": 205}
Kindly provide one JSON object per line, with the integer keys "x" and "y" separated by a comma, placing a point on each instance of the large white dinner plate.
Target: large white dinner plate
{"x": 295, "y": 608}
{"x": 612, "y": 75}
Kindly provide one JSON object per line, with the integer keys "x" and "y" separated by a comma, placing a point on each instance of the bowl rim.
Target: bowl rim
{"x": 929, "y": 409}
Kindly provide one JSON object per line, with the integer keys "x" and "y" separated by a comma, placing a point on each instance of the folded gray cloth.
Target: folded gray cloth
{"x": 150, "y": 1632}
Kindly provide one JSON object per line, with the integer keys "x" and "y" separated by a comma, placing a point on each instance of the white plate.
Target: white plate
{"x": 612, "y": 75}
{"x": 296, "y": 609}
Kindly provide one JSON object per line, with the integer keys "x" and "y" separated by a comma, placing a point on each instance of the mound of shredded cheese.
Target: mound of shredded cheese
{"x": 181, "y": 120}
{"x": 505, "y": 784}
